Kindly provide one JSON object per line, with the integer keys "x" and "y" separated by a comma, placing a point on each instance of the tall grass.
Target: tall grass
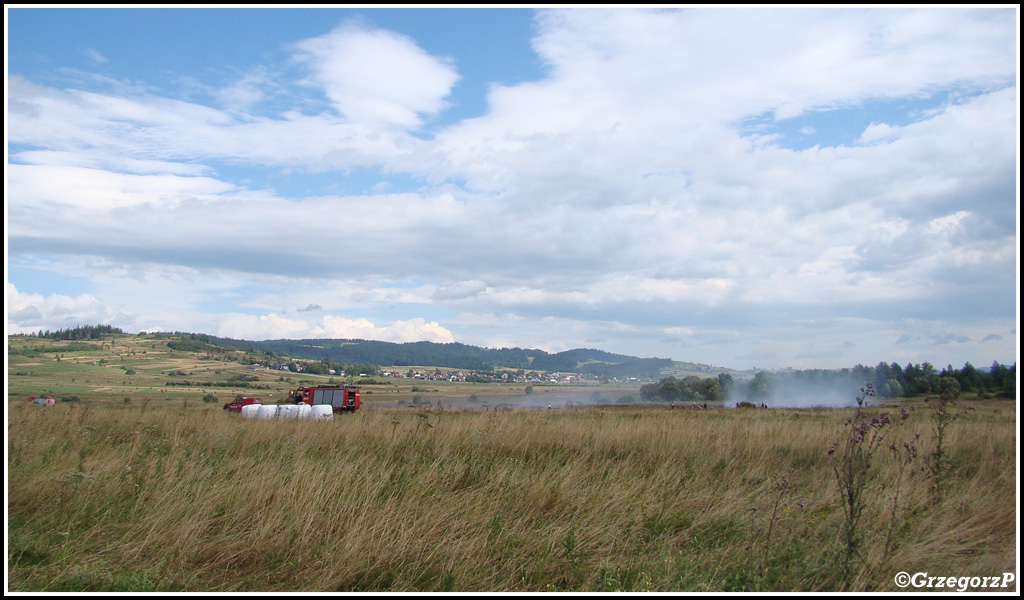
{"x": 108, "y": 496}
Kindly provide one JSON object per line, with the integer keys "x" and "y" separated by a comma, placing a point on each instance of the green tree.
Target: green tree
{"x": 725, "y": 384}
{"x": 761, "y": 386}
{"x": 891, "y": 388}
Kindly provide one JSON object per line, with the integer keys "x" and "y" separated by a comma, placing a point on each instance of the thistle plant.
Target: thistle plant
{"x": 852, "y": 459}
{"x": 942, "y": 417}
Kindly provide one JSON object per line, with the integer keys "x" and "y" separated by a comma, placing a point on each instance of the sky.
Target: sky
{"x": 742, "y": 187}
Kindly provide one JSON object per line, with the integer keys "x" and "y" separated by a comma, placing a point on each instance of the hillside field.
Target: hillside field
{"x": 131, "y": 484}
{"x": 141, "y": 369}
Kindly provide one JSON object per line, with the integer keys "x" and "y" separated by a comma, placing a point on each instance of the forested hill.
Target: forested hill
{"x": 459, "y": 356}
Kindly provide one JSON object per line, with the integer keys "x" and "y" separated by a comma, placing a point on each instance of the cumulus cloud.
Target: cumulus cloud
{"x": 28, "y": 313}
{"x": 877, "y": 132}
{"x": 378, "y": 77}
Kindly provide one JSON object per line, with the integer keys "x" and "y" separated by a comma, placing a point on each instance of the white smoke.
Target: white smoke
{"x": 554, "y": 399}
{"x": 790, "y": 391}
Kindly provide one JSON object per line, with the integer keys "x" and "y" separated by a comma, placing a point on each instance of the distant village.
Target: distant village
{"x": 462, "y": 376}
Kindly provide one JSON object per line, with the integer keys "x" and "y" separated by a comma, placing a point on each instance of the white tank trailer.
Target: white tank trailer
{"x": 302, "y": 412}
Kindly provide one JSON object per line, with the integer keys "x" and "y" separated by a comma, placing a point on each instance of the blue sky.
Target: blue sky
{"x": 779, "y": 187}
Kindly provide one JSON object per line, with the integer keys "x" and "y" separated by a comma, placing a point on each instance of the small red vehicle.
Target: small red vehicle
{"x": 237, "y": 404}
{"x": 342, "y": 398}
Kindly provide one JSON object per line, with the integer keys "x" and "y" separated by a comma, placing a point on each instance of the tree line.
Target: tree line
{"x": 915, "y": 380}
{"x": 688, "y": 389}
{"x": 890, "y": 381}
{"x": 84, "y": 332}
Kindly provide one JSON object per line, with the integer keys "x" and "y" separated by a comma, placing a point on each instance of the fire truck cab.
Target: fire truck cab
{"x": 343, "y": 398}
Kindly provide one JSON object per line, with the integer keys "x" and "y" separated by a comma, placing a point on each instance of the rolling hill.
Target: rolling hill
{"x": 456, "y": 356}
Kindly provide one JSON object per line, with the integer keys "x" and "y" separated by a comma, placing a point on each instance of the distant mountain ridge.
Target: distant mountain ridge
{"x": 454, "y": 355}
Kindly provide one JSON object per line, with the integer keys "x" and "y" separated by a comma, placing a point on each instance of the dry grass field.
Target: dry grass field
{"x": 165, "y": 492}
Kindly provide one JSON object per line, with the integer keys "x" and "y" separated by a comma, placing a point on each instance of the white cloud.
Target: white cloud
{"x": 95, "y": 55}
{"x": 28, "y": 313}
{"x": 243, "y": 95}
{"x": 877, "y": 132}
{"x": 378, "y": 77}
{"x": 109, "y": 163}
{"x": 106, "y": 128}
{"x": 273, "y": 326}
{"x": 102, "y": 190}
{"x": 948, "y": 223}
{"x": 460, "y": 290}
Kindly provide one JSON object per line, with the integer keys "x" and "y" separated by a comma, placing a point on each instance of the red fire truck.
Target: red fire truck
{"x": 341, "y": 398}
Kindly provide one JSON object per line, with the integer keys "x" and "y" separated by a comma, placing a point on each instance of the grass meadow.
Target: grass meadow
{"x": 178, "y": 495}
